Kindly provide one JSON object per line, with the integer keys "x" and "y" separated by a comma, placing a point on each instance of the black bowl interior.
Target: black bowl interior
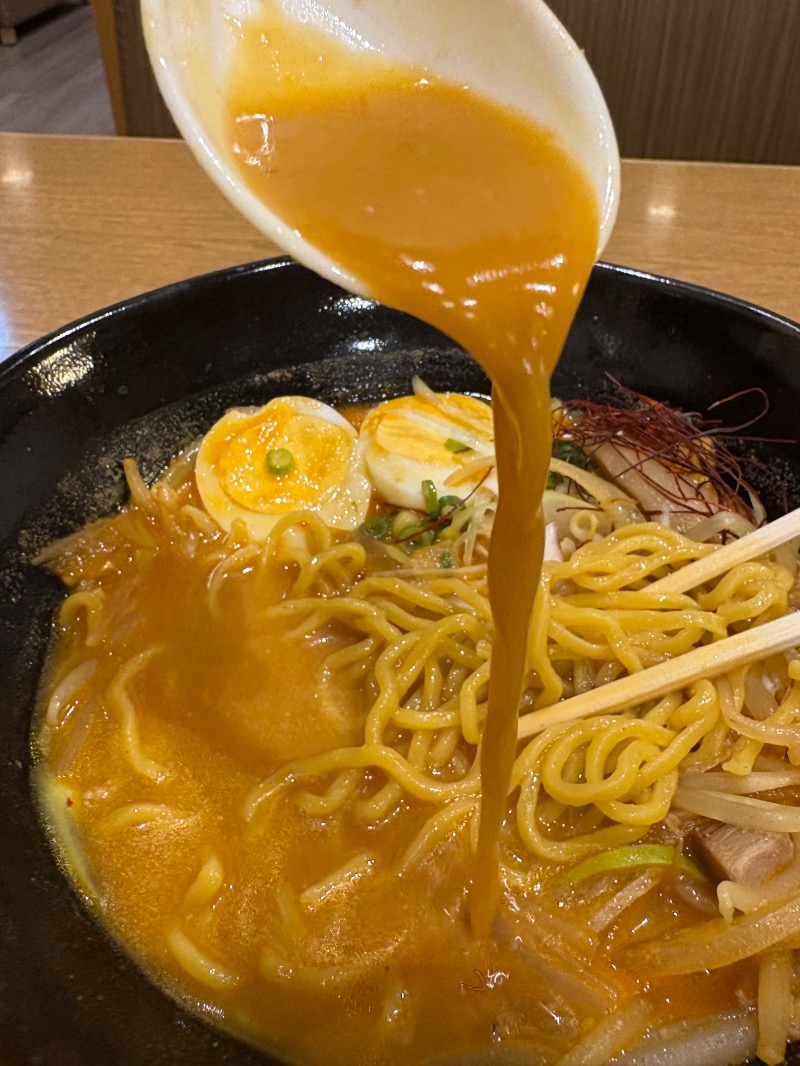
{"x": 144, "y": 379}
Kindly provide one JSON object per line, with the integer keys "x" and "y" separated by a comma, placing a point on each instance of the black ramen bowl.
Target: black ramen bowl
{"x": 145, "y": 378}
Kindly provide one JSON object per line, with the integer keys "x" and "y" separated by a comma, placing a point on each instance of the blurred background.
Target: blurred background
{"x": 684, "y": 79}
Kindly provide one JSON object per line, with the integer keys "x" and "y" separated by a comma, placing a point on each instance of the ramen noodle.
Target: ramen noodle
{"x": 259, "y": 745}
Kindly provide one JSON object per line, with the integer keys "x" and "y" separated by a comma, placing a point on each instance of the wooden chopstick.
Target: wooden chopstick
{"x": 759, "y": 542}
{"x": 707, "y": 661}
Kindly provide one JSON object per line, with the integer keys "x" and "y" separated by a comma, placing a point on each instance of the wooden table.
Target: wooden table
{"x": 85, "y": 222}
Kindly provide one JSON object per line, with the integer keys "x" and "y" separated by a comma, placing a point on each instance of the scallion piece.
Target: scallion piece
{"x": 454, "y": 445}
{"x": 279, "y": 461}
{"x": 634, "y": 855}
{"x": 447, "y": 560}
{"x": 409, "y": 532}
{"x": 379, "y": 526}
{"x": 446, "y": 502}
{"x": 430, "y": 497}
{"x": 420, "y": 539}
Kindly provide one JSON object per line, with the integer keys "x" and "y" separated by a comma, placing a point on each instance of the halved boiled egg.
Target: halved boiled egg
{"x": 446, "y": 438}
{"x": 295, "y": 454}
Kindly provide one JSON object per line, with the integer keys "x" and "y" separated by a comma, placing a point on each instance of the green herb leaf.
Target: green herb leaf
{"x": 279, "y": 461}
{"x": 454, "y": 445}
{"x": 446, "y": 502}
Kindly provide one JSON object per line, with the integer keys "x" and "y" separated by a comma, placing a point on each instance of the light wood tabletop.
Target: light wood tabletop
{"x": 86, "y": 222}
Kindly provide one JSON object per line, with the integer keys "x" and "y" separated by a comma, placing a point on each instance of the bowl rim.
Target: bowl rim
{"x": 19, "y": 361}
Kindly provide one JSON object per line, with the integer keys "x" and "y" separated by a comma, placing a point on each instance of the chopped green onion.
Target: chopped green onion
{"x": 419, "y": 540}
{"x": 449, "y": 501}
{"x": 454, "y": 445}
{"x": 404, "y": 520}
{"x": 279, "y": 461}
{"x": 430, "y": 497}
{"x": 379, "y": 526}
{"x": 633, "y": 855}
{"x": 570, "y": 452}
{"x": 409, "y": 531}
{"x": 447, "y": 560}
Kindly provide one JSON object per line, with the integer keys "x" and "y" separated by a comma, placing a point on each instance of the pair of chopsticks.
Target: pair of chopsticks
{"x": 705, "y": 662}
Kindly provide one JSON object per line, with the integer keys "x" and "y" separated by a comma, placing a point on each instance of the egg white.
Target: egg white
{"x": 328, "y": 475}
{"x": 405, "y": 443}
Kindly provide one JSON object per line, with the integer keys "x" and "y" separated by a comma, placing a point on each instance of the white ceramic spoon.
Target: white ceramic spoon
{"x": 512, "y": 51}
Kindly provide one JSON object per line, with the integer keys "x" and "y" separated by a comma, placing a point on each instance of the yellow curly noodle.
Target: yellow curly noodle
{"x": 92, "y": 603}
{"x": 197, "y": 964}
{"x": 120, "y": 703}
{"x": 424, "y": 645}
{"x": 780, "y": 728}
{"x": 608, "y": 779}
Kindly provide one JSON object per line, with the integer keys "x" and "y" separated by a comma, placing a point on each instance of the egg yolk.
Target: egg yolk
{"x": 320, "y": 454}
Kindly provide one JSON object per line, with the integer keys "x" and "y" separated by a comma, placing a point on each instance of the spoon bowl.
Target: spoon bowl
{"x": 512, "y": 52}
